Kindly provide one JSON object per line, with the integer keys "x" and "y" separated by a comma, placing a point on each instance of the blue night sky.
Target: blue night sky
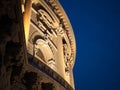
{"x": 96, "y": 25}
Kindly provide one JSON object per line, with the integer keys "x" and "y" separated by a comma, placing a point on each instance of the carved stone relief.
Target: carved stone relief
{"x": 51, "y": 29}
{"x": 66, "y": 58}
{"x": 47, "y": 54}
{"x": 12, "y": 56}
{"x": 55, "y": 28}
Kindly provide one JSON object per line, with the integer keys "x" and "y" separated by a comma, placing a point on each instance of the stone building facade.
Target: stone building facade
{"x": 37, "y": 46}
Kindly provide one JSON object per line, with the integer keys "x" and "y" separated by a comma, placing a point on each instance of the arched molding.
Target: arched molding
{"x": 44, "y": 52}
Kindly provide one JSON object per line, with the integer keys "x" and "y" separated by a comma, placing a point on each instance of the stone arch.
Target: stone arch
{"x": 43, "y": 51}
{"x": 43, "y": 46}
{"x": 36, "y": 38}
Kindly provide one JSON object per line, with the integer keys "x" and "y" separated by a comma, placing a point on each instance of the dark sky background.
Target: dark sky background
{"x": 96, "y": 25}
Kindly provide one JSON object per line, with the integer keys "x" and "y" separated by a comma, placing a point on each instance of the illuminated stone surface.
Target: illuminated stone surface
{"x": 38, "y": 52}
